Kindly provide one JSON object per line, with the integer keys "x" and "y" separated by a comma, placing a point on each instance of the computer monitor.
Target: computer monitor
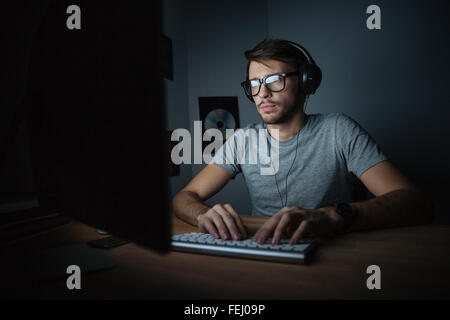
{"x": 95, "y": 113}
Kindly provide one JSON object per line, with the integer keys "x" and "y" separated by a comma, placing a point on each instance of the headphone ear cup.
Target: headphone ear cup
{"x": 303, "y": 78}
{"x": 310, "y": 77}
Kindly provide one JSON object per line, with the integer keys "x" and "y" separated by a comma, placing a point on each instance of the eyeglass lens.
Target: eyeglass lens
{"x": 273, "y": 83}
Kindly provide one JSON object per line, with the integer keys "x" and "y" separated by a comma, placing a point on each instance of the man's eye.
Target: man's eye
{"x": 272, "y": 79}
{"x": 254, "y": 83}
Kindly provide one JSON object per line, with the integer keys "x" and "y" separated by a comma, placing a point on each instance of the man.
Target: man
{"x": 311, "y": 192}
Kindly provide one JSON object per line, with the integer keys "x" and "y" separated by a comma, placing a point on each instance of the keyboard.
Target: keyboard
{"x": 204, "y": 243}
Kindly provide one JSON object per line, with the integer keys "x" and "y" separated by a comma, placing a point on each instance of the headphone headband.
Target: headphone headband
{"x": 303, "y": 50}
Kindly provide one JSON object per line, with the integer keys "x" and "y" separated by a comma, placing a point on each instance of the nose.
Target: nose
{"x": 264, "y": 92}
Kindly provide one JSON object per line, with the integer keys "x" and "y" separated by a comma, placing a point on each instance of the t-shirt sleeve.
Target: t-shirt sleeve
{"x": 359, "y": 149}
{"x": 226, "y": 158}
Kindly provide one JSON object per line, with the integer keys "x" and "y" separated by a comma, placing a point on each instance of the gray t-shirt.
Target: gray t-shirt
{"x": 330, "y": 149}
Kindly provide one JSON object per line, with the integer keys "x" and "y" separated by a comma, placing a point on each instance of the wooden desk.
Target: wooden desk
{"x": 414, "y": 263}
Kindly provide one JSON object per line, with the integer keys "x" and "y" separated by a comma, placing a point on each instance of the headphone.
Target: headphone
{"x": 310, "y": 74}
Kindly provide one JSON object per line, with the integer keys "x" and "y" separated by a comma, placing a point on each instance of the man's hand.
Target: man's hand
{"x": 294, "y": 222}
{"x": 222, "y": 221}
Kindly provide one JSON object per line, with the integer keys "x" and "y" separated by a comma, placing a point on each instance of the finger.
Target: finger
{"x": 268, "y": 227}
{"x": 290, "y": 230}
{"x": 300, "y": 214}
{"x": 281, "y": 228}
{"x": 298, "y": 234}
{"x": 207, "y": 226}
{"x": 229, "y": 222}
{"x": 237, "y": 220}
{"x": 258, "y": 232}
{"x": 256, "y": 235}
{"x": 266, "y": 230}
{"x": 220, "y": 225}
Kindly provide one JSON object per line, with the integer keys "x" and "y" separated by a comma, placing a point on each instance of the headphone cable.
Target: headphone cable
{"x": 292, "y": 164}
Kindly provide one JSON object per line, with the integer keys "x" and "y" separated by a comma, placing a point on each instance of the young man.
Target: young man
{"x": 311, "y": 192}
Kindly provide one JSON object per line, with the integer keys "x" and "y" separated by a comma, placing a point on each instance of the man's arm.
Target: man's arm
{"x": 397, "y": 203}
{"x": 220, "y": 220}
{"x": 188, "y": 203}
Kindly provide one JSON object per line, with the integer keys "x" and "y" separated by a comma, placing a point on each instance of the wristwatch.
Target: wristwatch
{"x": 347, "y": 212}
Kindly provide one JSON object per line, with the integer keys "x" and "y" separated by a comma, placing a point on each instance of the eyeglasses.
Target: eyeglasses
{"x": 274, "y": 83}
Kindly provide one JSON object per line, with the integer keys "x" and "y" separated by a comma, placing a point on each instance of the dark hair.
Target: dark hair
{"x": 276, "y": 49}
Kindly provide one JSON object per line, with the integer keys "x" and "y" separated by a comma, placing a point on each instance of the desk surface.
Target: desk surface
{"x": 414, "y": 263}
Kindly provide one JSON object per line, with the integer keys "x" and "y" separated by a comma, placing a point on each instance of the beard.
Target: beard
{"x": 281, "y": 115}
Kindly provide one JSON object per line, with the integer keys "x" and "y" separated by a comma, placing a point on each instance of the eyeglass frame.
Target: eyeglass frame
{"x": 263, "y": 81}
